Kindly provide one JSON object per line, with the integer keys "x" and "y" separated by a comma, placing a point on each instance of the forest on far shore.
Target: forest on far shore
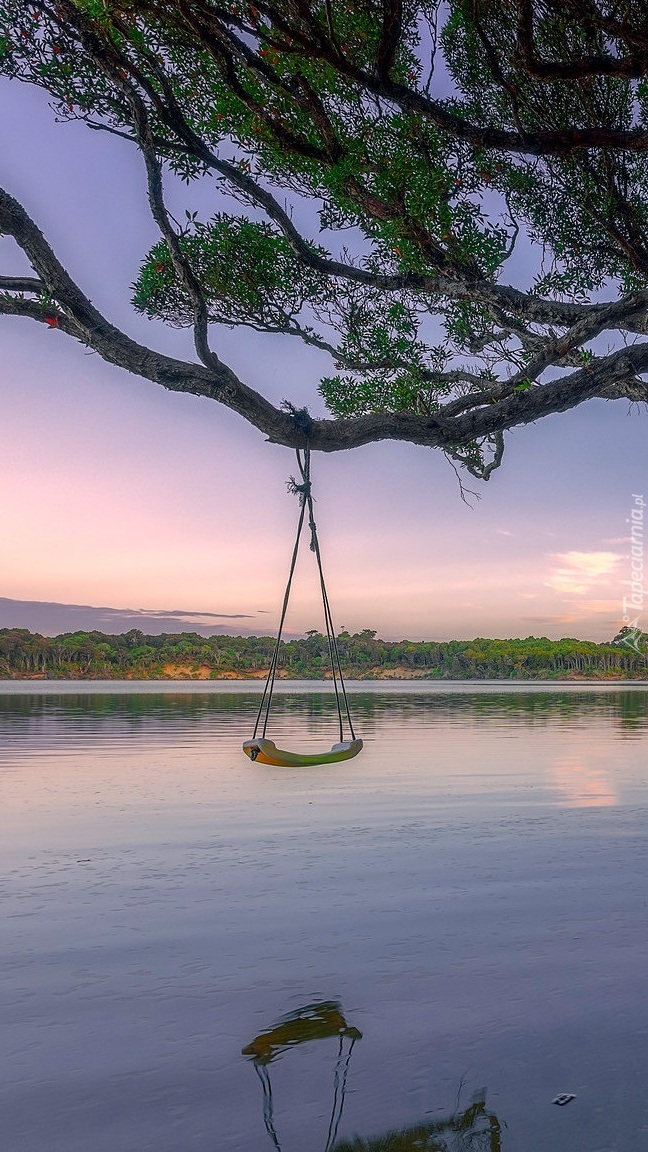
{"x": 186, "y": 655}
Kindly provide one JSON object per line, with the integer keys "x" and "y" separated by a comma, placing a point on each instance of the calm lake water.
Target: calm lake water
{"x": 453, "y": 926}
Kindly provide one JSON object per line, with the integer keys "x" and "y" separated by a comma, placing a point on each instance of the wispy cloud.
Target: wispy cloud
{"x": 576, "y": 573}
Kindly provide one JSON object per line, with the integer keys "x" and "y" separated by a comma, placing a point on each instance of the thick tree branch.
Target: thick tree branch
{"x": 20, "y": 284}
{"x": 390, "y": 34}
{"x": 75, "y": 313}
{"x": 617, "y": 372}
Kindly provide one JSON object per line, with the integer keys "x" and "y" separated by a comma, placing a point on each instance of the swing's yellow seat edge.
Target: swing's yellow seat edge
{"x": 266, "y": 752}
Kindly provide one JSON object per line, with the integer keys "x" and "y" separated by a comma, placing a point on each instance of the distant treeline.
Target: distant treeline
{"x": 95, "y": 656}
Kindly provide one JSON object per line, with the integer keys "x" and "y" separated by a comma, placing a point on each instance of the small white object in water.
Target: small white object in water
{"x": 564, "y": 1098}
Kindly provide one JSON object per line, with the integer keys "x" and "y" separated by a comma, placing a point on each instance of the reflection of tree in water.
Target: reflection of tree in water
{"x": 631, "y": 712}
{"x": 530, "y": 709}
{"x": 627, "y": 710}
{"x": 472, "y": 1130}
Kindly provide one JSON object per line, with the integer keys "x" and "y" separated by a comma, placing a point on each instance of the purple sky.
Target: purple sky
{"x": 118, "y": 493}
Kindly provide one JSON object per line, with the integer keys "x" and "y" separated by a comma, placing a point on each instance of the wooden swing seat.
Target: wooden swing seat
{"x": 266, "y": 752}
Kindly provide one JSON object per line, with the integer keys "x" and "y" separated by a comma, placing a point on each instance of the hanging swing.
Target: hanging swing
{"x": 260, "y": 747}
{"x": 313, "y": 1022}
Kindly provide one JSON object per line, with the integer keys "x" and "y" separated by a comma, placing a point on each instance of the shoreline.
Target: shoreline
{"x": 418, "y": 686}
{"x": 258, "y": 677}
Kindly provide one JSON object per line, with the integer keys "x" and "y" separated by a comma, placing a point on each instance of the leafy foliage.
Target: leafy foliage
{"x": 395, "y": 164}
{"x": 93, "y": 655}
{"x": 248, "y": 272}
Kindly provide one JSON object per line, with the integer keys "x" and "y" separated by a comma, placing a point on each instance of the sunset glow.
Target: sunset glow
{"x": 125, "y": 495}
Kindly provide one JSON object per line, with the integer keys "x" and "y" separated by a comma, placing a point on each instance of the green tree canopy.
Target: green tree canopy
{"x": 436, "y": 149}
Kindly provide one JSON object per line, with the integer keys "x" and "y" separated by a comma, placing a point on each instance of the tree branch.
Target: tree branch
{"x": 618, "y": 372}
{"x": 447, "y": 279}
{"x": 629, "y": 67}
{"x": 390, "y": 34}
{"x": 160, "y": 215}
{"x": 305, "y": 137}
{"x": 528, "y": 142}
{"x": 20, "y": 284}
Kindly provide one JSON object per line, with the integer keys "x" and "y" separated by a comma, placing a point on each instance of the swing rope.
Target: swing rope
{"x": 339, "y": 1092}
{"x": 268, "y": 1106}
{"x": 303, "y": 490}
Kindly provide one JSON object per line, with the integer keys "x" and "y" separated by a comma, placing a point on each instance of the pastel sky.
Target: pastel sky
{"x": 118, "y": 493}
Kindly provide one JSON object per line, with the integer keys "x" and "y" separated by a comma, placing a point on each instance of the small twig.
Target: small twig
{"x": 463, "y": 491}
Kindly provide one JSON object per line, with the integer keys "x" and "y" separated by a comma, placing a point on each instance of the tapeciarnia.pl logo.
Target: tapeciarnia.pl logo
{"x": 637, "y": 592}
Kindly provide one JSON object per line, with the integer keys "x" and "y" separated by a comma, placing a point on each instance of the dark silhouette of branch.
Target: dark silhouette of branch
{"x": 20, "y": 284}
{"x": 632, "y": 66}
{"x": 390, "y": 35}
{"x": 616, "y": 374}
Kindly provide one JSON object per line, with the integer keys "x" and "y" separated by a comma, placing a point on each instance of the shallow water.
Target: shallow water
{"x": 471, "y": 891}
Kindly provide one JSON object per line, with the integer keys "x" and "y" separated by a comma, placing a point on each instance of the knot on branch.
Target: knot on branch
{"x": 301, "y": 419}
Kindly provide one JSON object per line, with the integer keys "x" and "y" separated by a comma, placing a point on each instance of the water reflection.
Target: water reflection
{"x": 317, "y": 1021}
{"x": 473, "y": 1129}
{"x": 320, "y": 1021}
{"x": 564, "y": 748}
{"x": 457, "y": 704}
{"x": 581, "y": 783}
{"x": 467, "y": 886}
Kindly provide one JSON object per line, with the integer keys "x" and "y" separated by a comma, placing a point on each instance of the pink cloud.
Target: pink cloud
{"x": 577, "y": 572}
